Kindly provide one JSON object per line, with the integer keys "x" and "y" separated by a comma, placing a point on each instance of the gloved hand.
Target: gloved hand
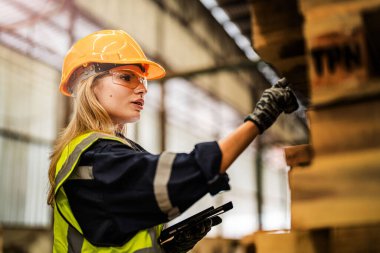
{"x": 186, "y": 240}
{"x": 275, "y": 100}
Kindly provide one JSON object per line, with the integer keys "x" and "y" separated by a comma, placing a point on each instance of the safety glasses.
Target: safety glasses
{"x": 128, "y": 78}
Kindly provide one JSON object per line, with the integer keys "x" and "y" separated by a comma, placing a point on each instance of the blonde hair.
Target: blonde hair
{"x": 89, "y": 115}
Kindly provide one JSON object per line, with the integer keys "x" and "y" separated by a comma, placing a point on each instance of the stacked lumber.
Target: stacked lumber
{"x": 340, "y": 190}
{"x": 278, "y": 39}
{"x": 337, "y": 190}
{"x": 220, "y": 245}
{"x": 342, "y": 185}
{"x": 330, "y": 240}
{"x": 284, "y": 241}
{"x": 335, "y": 181}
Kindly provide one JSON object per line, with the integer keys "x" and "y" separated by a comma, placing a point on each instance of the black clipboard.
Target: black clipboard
{"x": 169, "y": 233}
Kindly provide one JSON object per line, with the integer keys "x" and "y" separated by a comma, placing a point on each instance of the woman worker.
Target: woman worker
{"x": 108, "y": 193}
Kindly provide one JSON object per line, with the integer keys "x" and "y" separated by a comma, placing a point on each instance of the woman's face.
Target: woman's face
{"x": 121, "y": 93}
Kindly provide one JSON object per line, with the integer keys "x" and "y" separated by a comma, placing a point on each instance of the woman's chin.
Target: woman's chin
{"x": 134, "y": 118}
{"x": 125, "y": 120}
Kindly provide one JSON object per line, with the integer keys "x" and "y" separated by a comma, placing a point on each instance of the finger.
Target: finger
{"x": 216, "y": 220}
{"x": 208, "y": 222}
{"x": 291, "y": 104}
{"x": 282, "y": 83}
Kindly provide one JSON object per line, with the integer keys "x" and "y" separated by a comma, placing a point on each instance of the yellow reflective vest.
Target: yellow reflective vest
{"x": 68, "y": 235}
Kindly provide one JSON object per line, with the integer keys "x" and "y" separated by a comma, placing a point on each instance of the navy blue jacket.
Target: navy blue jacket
{"x": 123, "y": 197}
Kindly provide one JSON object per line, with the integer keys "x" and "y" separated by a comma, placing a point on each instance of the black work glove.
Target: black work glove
{"x": 275, "y": 100}
{"x": 185, "y": 241}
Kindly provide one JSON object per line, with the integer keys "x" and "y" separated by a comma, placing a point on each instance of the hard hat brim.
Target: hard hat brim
{"x": 153, "y": 70}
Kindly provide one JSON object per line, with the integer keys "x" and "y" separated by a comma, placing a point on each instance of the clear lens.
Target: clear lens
{"x": 128, "y": 79}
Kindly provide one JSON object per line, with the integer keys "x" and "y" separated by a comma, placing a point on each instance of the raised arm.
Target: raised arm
{"x": 275, "y": 100}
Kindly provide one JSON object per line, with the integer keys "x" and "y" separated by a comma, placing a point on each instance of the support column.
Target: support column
{"x": 259, "y": 181}
{"x": 160, "y": 44}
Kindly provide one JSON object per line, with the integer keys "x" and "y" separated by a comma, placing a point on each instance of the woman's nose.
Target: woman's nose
{"x": 141, "y": 88}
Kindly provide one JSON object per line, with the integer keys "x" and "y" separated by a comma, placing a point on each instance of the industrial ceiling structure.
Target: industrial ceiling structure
{"x": 56, "y": 24}
{"x": 43, "y": 29}
{"x": 239, "y": 13}
{"x": 235, "y": 17}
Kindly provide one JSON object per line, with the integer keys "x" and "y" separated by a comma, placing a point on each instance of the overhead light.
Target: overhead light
{"x": 209, "y": 3}
{"x": 231, "y": 28}
{"x": 219, "y": 14}
{"x": 241, "y": 41}
{"x": 251, "y": 54}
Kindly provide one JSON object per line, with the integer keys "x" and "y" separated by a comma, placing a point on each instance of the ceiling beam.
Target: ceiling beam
{"x": 34, "y": 17}
{"x": 214, "y": 69}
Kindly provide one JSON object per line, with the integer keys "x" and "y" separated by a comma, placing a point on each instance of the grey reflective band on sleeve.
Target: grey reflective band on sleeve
{"x": 160, "y": 184}
{"x": 82, "y": 172}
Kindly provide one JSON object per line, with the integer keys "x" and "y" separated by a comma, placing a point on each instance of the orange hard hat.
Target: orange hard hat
{"x": 106, "y": 46}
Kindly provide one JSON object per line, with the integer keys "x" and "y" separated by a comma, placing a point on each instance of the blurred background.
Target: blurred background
{"x": 219, "y": 55}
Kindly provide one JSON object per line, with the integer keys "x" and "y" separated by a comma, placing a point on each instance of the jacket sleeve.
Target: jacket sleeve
{"x": 137, "y": 190}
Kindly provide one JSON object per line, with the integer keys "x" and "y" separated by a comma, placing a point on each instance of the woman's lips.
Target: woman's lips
{"x": 139, "y": 103}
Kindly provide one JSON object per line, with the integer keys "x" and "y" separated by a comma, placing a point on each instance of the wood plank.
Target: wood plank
{"x": 318, "y": 8}
{"x": 325, "y": 96}
{"x": 284, "y": 241}
{"x": 277, "y": 37}
{"x": 349, "y": 126}
{"x": 271, "y": 16}
{"x": 355, "y": 239}
{"x": 283, "y": 51}
{"x": 330, "y": 240}
{"x": 299, "y": 155}
{"x": 220, "y": 245}
{"x": 287, "y": 64}
{"x": 337, "y": 190}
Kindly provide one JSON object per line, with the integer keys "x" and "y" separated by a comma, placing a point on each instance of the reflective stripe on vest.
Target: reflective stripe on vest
{"x": 75, "y": 240}
{"x": 68, "y": 236}
{"x": 160, "y": 184}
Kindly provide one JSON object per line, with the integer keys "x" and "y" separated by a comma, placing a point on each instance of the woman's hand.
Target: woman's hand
{"x": 272, "y": 103}
{"x": 275, "y": 100}
{"x": 185, "y": 241}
